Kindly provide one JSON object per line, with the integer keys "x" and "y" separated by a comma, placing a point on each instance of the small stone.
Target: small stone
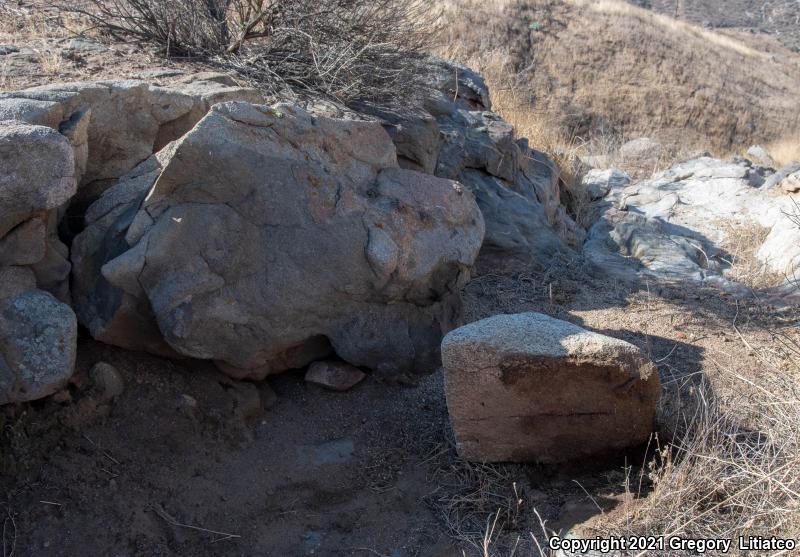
{"x": 791, "y": 184}
{"x": 188, "y": 405}
{"x": 38, "y": 338}
{"x": 247, "y": 400}
{"x": 760, "y": 156}
{"x": 336, "y": 376}
{"x": 107, "y": 380}
{"x": 62, "y": 397}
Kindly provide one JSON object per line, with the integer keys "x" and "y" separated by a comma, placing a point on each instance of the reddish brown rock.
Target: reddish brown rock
{"x": 528, "y": 387}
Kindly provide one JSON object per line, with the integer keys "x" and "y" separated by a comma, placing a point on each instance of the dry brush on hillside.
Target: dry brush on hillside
{"x": 348, "y": 49}
{"x": 572, "y": 71}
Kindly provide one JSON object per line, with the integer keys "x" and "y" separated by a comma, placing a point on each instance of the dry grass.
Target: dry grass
{"x": 672, "y": 25}
{"x": 346, "y": 49}
{"x": 785, "y": 150}
{"x": 477, "y": 503}
{"x": 734, "y": 467}
{"x": 742, "y": 241}
{"x": 32, "y": 20}
{"x": 581, "y": 77}
{"x": 728, "y": 467}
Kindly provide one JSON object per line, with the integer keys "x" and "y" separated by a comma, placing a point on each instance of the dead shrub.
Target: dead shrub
{"x": 348, "y": 49}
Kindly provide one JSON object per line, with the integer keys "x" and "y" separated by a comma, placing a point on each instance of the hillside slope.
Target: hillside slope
{"x": 780, "y": 18}
{"x": 612, "y": 69}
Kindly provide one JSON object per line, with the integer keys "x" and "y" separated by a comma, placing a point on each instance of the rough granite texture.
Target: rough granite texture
{"x": 271, "y": 237}
{"x": 38, "y": 336}
{"x": 528, "y": 387}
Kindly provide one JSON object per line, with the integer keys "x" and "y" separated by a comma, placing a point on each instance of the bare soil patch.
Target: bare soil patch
{"x": 188, "y": 462}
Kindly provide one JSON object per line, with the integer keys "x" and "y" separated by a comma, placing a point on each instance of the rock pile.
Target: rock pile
{"x": 455, "y": 135}
{"x": 207, "y": 225}
{"x": 38, "y": 330}
{"x": 269, "y": 237}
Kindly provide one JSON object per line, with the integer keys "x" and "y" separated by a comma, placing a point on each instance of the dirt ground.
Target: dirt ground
{"x": 188, "y": 462}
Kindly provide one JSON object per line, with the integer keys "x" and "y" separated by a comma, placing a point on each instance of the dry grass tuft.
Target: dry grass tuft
{"x": 742, "y": 241}
{"x": 477, "y": 503}
{"x": 733, "y": 468}
{"x": 785, "y": 150}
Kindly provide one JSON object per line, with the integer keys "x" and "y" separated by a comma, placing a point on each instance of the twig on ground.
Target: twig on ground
{"x": 9, "y": 519}
{"x": 159, "y": 510}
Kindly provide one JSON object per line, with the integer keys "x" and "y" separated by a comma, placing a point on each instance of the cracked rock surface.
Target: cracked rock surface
{"x": 270, "y": 238}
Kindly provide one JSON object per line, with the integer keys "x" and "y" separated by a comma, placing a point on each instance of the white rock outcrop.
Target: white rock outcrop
{"x": 679, "y": 224}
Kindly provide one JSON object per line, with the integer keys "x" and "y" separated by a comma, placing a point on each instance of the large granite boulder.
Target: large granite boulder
{"x": 269, "y": 238}
{"x": 528, "y": 387}
{"x": 36, "y": 174}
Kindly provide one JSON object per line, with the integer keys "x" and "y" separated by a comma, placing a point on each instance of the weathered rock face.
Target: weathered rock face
{"x": 678, "y": 224}
{"x": 111, "y": 314}
{"x": 37, "y": 332}
{"x": 528, "y": 387}
{"x": 598, "y": 183}
{"x": 270, "y": 237}
{"x": 760, "y": 156}
{"x": 778, "y": 177}
{"x": 454, "y": 135}
{"x": 37, "y": 176}
{"x": 114, "y": 125}
{"x": 791, "y": 182}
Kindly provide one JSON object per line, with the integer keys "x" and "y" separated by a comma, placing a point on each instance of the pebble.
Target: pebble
{"x": 107, "y": 380}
